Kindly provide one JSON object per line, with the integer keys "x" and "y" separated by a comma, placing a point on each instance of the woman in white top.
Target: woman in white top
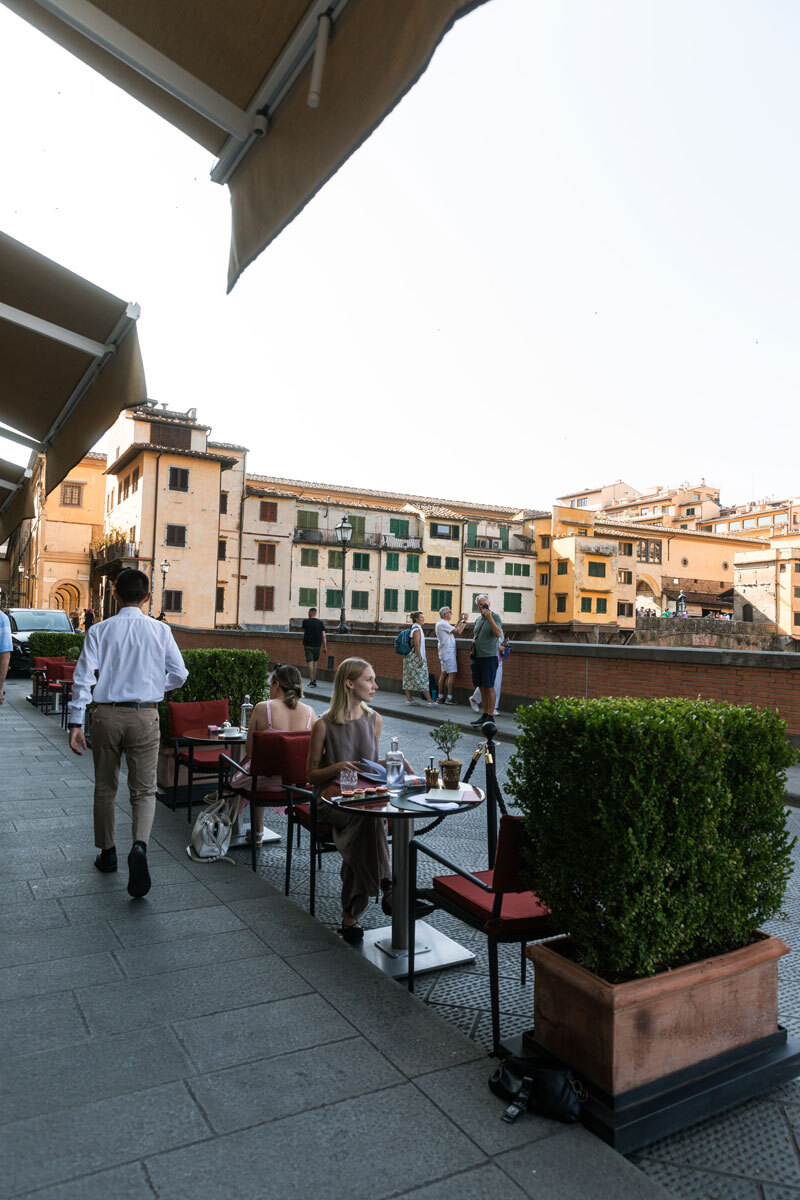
{"x": 283, "y": 712}
{"x": 415, "y": 664}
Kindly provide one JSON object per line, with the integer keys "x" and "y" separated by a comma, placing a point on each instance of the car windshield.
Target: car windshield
{"x": 31, "y": 618}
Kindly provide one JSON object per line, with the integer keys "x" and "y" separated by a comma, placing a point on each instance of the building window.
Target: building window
{"x": 412, "y": 565}
{"x": 597, "y": 570}
{"x": 562, "y": 567}
{"x": 444, "y": 533}
{"x": 561, "y": 603}
{"x": 435, "y": 562}
{"x": 360, "y": 562}
{"x": 359, "y": 523}
{"x": 545, "y": 542}
{"x": 132, "y": 534}
{"x": 173, "y": 601}
{"x": 220, "y": 599}
{"x": 359, "y": 601}
{"x": 410, "y": 601}
{"x": 475, "y": 601}
{"x": 126, "y": 487}
{"x": 516, "y": 568}
{"x": 307, "y": 598}
{"x": 223, "y": 502}
{"x": 390, "y": 598}
{"x": 734, "y": 525}
{"x": 266, "y": 553}
{"x": 749, "y": 523}
{"x": 625, "y": 576}
{"x": 472, "y": 535}
{"x": 648, "y": 551}
{"x": 601, "y": 604}
{"x": 765, "y": 520}
{"x": 452, "y": 564}
{"x": 582, "y": 501}
{"x": 222, "y": 550}
{"x": 309, "y": 558}
{"x": 307, "y": 519}
{"x": 265, "y": 599}
{"x": 333, "y": 598}
{"x": 797, "y": 566}
{"x": 543, "y": 579}
{"x": 72, "y": 495}
{"x": 624, "y": 608}
{"x": 441, "y": 599}
{"x": 335, "y": 561}
{"x": 398, "y": 527}
{"x": 175, "y": 535}
{"x": 586, "y": 604}
{"x": 135, "y": 480}
{"x": 481, "y": 566}
{"x": 512, "y": 602}
{"x": 393, "y": 562}
{"x": 797, "y": 593}
{"x": 178, "y": 479}
{"x": 796, "y": 618}
{"x": 781, "y": 518}
{"x": 783, "y": 567}
{"x": 268, "y": 510}
{"x": 581, "y": 533}
{"x": 645, "y": 512}
{"x": 176, "y": 437}
{"x": 689, "y": 512}
{"x": 626, "y": 549}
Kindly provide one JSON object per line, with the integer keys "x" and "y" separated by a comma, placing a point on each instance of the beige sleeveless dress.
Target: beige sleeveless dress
{"x": 361, "y": 841}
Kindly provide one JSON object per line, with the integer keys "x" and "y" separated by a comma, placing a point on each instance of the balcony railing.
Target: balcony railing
{"x": 372, "y": 541}
{"x": 115, "y": 551}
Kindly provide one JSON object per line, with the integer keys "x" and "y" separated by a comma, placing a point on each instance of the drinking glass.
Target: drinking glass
{"x": 348, "y": 781}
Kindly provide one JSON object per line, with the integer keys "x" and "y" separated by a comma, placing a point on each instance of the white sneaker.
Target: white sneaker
{"x": 430, "y": 703}
{"x": 412, "y": 701}
{"x": 449, "y": 700}
{"x": 474, "y": 704}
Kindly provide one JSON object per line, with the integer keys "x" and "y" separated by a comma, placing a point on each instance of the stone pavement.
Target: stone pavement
{"x": 213, "y": 1040}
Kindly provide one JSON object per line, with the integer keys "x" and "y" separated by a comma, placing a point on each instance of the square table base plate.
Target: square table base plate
{"x": 240, "y": 839}
{"x": 433, "y": 951}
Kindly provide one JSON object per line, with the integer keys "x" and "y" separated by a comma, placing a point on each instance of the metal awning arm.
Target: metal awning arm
{"x": 57, "y": 332}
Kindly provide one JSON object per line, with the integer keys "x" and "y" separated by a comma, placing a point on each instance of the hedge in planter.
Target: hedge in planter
{"x": 220, "y": 675}
{"x": 54, "y": 645}
{"x": 657, "y": 829}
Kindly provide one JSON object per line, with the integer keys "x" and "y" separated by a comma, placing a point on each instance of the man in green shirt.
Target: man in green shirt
{"x": 486, "y": 642}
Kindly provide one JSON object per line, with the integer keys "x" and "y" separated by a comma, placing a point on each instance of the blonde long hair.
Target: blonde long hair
{"x": 350, "y": 669}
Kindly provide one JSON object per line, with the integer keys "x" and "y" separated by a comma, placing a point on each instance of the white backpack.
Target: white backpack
{"x": 212, "y": 831}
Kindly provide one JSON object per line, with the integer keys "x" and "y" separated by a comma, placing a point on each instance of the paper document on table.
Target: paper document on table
{"x": 444, "y": 798}
{"x": 368, "y": 769}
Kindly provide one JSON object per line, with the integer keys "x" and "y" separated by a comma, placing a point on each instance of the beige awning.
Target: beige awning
{"x": 71, "y": 363}
{"x": 235, "y": 78}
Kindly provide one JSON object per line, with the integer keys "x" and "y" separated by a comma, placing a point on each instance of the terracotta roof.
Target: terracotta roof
{"x": 633, "y": 529}
{"x": 323, "y": 502}
{"x": 333, "y": 488}
{"x": 226, "y": 446}
{"x": 268, "y": 491}
{"x": 95, "y": 456}
{"x": 166, "y": 417}
{"x": 130, "y": 452}
{"x": 695, "y": 597}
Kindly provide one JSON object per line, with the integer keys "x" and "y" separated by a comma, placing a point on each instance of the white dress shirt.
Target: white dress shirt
{"x": 135, "y": 657}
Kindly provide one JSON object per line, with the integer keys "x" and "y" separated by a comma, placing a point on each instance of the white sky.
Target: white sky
{"x": 569, "y": 256}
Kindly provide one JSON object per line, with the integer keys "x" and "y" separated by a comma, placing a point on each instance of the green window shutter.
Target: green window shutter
{"x": 512, "y": 602}
{"x": 398, "y": 527}
{"x": 307, "y": 519}
{"x": 358, "y": 523}
{"x": 393, "y": 561}
{"x": 586, "y": 604}
{"x": 390, "y": 599}
{"x": 359, "y": 601}
{"x": 472, "y": 565}
{"x": 526, "y": 569}
{"x": 490, "y": 567}
{"x": 451, "y": 564}
{"x": 561, "y": 603}
{"x": 360, "y": 562}
{"x": 475, "y": 601}
{"x": 597, "y": 569}
{"x": 333, "y": 598}
{"x": 472, "y": 535}
{"x": 411, "y": 602}
{"x": 441, "y": 598}
{"x": 602, "y": 604}
{"x": 509, "y": 568}
{"x": 335, "y": 559}
{"x": 412, "y": 564}
{"x": 308, "y": 598}
{"x": 309, "y": 558}
{"x": 504, "y": 537}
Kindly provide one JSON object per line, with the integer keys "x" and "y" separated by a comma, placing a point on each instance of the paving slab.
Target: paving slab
{"x": 203, "y": 949}
{"x": 573, "y": 1165}
{"x": 57, "y": 975}
{"x": 486, "y": 1182}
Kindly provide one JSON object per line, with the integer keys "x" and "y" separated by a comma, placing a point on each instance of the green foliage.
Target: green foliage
{"x": 220, "y": 675}
{"x": 54, "y": 645}
{"x": 657, "y": 827}
{"x": 446, "y": 737}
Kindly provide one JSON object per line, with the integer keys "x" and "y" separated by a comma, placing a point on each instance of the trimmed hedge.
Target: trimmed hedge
{"x": 54, "y": 645}
{"x": 657, "y": 827}
{"x": 220, "y": 675}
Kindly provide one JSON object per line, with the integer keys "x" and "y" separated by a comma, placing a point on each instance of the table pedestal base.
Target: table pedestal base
{"x": 432, "y": 951}
{"x": 240, "y": 839}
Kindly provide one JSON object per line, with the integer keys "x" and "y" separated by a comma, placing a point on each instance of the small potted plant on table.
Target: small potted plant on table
{"x": 445, "y": 738}
{"x": 657, "y": 838}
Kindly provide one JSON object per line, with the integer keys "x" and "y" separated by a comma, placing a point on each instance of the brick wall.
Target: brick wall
{"x": 537, "y": 669}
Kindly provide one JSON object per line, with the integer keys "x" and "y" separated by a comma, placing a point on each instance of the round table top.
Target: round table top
{"x": 381, "y": 805}
{"x": 225, "y": 737}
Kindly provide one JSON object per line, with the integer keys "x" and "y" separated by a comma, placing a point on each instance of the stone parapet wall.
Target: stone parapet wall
{"x": 709, "y": 632}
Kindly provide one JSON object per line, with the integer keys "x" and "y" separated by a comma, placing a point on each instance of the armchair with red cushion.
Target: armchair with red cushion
{"x": 199, "y": 761}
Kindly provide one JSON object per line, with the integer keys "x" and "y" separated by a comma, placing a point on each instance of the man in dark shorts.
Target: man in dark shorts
{"x": 314, "y": 641}
{"x": 485, "y": 640}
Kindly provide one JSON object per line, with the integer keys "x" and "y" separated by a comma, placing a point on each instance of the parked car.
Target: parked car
{"x": 24, "y": 622}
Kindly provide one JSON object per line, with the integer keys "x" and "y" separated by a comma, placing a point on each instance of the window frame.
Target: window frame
{"x": 175, "y": 477}
{"x": 267, "y": 595}
{"x": 175, "y": 545}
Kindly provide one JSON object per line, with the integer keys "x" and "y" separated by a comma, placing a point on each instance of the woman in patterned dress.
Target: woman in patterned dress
{"x": 415, "y": 664}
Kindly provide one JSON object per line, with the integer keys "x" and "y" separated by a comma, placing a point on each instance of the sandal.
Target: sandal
{"x": 259, "y": 837}
{"x": 352, "y": 934}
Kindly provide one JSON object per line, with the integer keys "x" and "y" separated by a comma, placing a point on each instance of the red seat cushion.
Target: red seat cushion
{"x": 303, "y": 814}
{"x": 194, "y": 714}
{"x": 204, "y": 758}
{"x": 522, "y": 912}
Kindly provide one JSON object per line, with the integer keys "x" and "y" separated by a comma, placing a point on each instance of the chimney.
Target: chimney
{"x": 164, "y": 407}
{"x": 192, "y": 414}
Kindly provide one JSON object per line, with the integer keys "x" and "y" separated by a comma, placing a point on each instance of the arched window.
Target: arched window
{"x": 747, "y": 612}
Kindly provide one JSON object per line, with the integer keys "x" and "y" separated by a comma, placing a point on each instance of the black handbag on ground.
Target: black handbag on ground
{"x": 540, "y": 1086}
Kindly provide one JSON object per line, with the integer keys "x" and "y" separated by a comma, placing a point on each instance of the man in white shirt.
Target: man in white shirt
{"x": 136, "y": 660}
{"x": 446, "y": 635}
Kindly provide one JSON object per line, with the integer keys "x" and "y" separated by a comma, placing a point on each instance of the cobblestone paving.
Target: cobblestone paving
{"x": 749, "y": 1153}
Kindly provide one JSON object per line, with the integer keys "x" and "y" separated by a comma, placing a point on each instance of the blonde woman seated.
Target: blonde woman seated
{"x": 347, "y": 733}
{"x": 283, "y": 712}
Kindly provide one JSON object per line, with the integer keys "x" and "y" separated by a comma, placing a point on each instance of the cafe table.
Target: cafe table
{"x": 234, "y": 738}
{"x": 387, "y": 947}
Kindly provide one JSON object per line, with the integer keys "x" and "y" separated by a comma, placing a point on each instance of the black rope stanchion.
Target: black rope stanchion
{"x": 494, "y": 797}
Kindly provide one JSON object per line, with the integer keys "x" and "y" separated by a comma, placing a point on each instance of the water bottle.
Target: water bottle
{"x": 244, "y": 713}
{"x": 395, "y": 769}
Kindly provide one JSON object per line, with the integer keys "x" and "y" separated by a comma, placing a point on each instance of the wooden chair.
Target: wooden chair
{"x": 497, "y": 902}
{"x": 200, "y": 760}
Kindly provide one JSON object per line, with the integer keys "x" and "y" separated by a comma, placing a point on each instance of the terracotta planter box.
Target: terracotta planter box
{"x": 621, "y": 1036}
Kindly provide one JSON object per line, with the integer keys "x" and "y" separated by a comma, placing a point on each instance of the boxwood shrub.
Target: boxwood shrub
{"x": 54, "y": 645}
{"x": 220, "y": 675}
{"x": 657, "y": 830}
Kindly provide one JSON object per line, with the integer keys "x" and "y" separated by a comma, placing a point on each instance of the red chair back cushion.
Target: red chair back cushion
{"x": 68, "y": 670}
{"x": 55, "y": 671}
{"x": 42, "y": 662}
{"x": 508, "y": 863}
{"x": 194, "y": 714}
{"x": 278, "y": 753}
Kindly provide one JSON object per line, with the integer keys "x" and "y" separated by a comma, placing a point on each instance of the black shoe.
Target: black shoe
{"x": 312, "y": 683}
{"x": 352, "y": 934}
{"x": 107, "y": 860}
{"x": 386, "y": 898}
{"x": 479, "y": 720}
{"x": 138, "y": 874}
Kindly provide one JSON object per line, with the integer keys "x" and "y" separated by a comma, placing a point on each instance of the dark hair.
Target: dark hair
{"x": 312, "y": 610}
{"x": 132, "y": 585}
{"x": 290, "y": 681}
{"x": 413, "y": 616}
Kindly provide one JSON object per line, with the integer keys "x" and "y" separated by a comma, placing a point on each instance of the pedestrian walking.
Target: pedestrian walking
{"x": 314, "y": 642}
{"x": 485, "y": 645}
{"x": 75, "y": 620}
{"x": 415, "y": 663}
{"x": 136, "y": 660}
{"x": 446, "y": 634}
{"x": 6, "y": 647}
{"x": 88, "y": 619}
{"x": 502, "y": 654}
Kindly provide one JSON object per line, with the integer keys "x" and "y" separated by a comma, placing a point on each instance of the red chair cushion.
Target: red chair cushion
{"x": 303, "y": 814}
{"x": 68, "y": 670}
{"x": 203, "y": 758}
{"x": 194, "y": 714}
{"x": 40, "y": 663}
{"x": 522, "y": 912}
{"x": 279, "y": 753}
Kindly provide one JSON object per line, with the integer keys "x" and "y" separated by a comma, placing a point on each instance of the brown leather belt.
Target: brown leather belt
{"x": 128, "y": 704}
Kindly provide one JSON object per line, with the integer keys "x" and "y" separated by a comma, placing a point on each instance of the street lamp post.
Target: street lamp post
{"x": 344, "y": 531}
{"x": 164, "y": 569}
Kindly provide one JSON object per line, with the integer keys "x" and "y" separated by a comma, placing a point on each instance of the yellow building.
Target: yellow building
{"x": 682, "y": 507}
{"x": 49, "y": 555}
{"x": 759, "y": 519}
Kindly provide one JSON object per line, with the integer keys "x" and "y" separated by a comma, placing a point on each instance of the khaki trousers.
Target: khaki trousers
{"x": 133, "y": 732}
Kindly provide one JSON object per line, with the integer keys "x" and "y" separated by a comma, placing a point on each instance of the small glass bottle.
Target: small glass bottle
{"x": 395, "y": 769}
{"x": 244, "y": 713}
